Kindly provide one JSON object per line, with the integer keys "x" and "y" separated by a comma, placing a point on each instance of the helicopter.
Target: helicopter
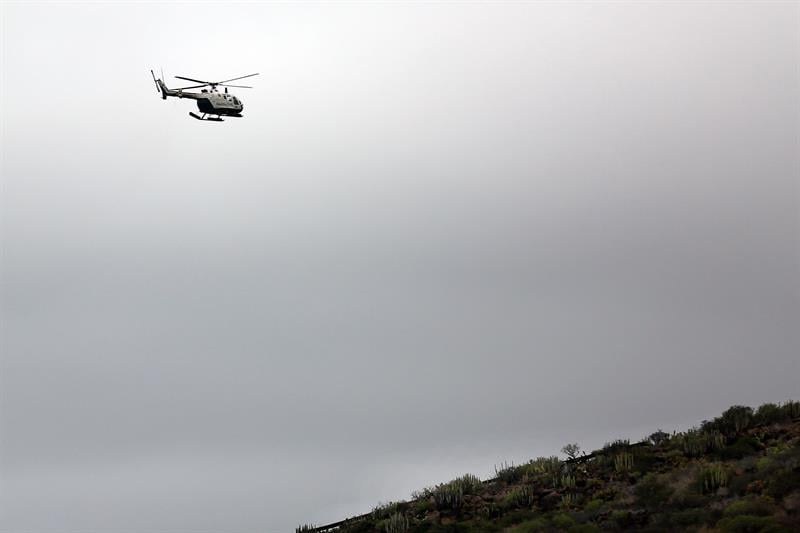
{"x": 209, "y": 101}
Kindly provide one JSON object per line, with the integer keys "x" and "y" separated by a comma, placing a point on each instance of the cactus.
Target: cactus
{"x": 696, "y": 442}
{"x": 716, "y": 440}
{"x": 469, "y": 483}
{"x": 303, "y": 528}
{"x": 508, "y": 472}
{"x": 546, "y": 465}
{"x": 568, "y": 481}
{"x": 619, "y": 444}
{"x": 568, "y": 500}
{"x": 383, "y": 510}
{"x": 623, "y": 462}
{"x": 397, "y": 523}
{"x": 713, "y": 477}
{"x": 520, "y": 496}
{"x": 450, "y": 495}
{"x": 691, "y": 443}
{"x": 732, "y": 422}
{"x": 791, "y": 409}
{"x": 741, "y": 419}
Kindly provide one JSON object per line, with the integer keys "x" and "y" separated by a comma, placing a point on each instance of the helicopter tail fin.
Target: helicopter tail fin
{"x": 160, "y": 85}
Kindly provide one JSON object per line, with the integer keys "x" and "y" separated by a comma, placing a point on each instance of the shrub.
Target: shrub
{"x": 616, "y": 446}
{"x": 769, "y": 413}
{"x": 733, "y": 420}
{"x": 689, "y": 497}
{"x": 658, "y": 438}
{"x": 622, "y": 519}
{"x": 423, "y": 506}
{"x": 507, "y": 520}
{"x": 593, "y": 505}
{"x": 791, "y": 502}
{"x": 384, "y": 510}
{"x": 748, "y": 524}
{"x": 749, "y": 506}
{"x": 583, "y": 528}
{"x": 783, "y": 482}
{"x": 743, "y": 447}
{"x": 530, "y": 526}
{"x": 650, "y": 492}
{"x": 680, "y": 520}
{"x": 360, "y": 526}
{"x": 562, "y": 521}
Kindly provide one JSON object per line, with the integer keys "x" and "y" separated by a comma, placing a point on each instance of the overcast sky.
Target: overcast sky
{"x": 442, "y": 236}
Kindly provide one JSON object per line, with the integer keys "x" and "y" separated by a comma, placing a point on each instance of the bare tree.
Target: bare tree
{"x": 571, "y": 450}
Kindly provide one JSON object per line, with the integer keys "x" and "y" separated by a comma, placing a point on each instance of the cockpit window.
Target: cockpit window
{"x": 235, "y": 100}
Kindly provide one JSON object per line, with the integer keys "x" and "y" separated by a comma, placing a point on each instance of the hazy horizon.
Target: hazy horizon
{"x": 443, "y": 236}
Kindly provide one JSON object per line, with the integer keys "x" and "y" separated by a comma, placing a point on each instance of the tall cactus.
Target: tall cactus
{"x": 397, "y": 523}
{"x": 713, "y": 477}
{"x": 521, "y": 496}
{"x": 792, "y": 409}
{"x": 568, "y": 481}
{"x": 546, "y": 465}
{"x": 568, "y": 500}
{"x": 696, "y": 442}
{"x": 623, "y": 462}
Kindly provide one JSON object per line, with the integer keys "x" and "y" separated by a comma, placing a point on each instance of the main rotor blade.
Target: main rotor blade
{"x": 194, "y": 80}
{"x": 239, "y": 86}
{"x": 190, "y": 87}
{"x": 239, "y": 78}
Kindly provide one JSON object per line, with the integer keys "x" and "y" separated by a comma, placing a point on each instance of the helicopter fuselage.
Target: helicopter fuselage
{"x": 219, "y": 103}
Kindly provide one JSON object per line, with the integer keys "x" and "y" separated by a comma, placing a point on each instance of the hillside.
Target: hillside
{"x": 739, "y": 472}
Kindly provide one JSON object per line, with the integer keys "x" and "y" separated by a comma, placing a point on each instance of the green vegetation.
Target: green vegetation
{"x": 623, "y": 462}
{"x": 384, "y": 510}
{"x": 450, "y": 495}
{"x": 521, "y": 496}
{"x": 713, "y": 477}
{"x": 397, "y": 523}
{"x": 652, "y": 492}
{"x": 567, "y": 482}
{"x": 508, "y": 472}
{"x": 739, "y": 472}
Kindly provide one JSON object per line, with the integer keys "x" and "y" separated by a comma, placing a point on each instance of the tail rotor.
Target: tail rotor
{"x": 160, "y": 87}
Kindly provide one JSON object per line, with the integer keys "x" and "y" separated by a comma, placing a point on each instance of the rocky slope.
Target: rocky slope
{"x": 737, "y": 473}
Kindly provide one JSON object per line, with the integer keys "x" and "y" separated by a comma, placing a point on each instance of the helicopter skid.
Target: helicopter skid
{"x": 213, "y": 119}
